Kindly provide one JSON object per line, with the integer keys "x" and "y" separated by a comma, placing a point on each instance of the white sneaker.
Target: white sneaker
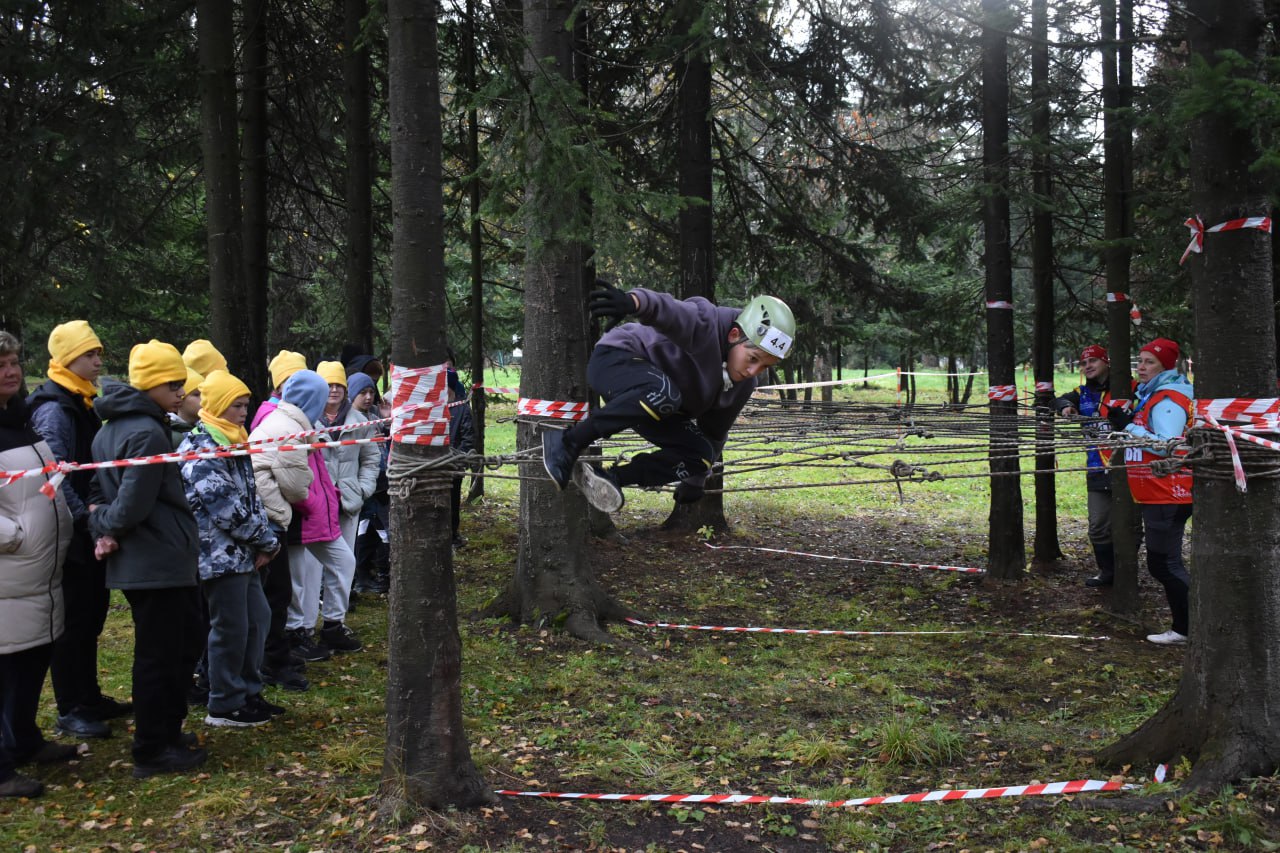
{"x": 600, "y": 487}
{"x": 1168, "y": 638}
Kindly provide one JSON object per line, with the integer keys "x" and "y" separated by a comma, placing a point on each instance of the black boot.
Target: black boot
{"x": 1106, "y": 557}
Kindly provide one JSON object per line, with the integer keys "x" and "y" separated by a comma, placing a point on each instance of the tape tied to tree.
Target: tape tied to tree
{"x": 419, "y": 405}
{"x": 529, "y": 407}
{"x": 1196, "y": 225}
{"x": 1002, "y": 393}
{"x": 1000, "y": 303}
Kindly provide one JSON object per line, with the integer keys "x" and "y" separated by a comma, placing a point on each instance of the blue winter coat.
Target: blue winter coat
{"x": 231, "y": 517}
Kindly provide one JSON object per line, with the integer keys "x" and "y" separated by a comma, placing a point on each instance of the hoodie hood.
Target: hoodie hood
{"x": 357, "y": 382}
{"x": 307, "y": 390}
{"x": 118, "y": 400}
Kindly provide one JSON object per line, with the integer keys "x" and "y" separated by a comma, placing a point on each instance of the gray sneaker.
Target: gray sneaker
{"x": 601, "y": 488}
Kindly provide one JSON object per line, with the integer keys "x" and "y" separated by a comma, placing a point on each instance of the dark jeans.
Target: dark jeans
{"x": 167, "y": 642}
{"x": 372, "y": 554}
{"x": 21, "y": 677}
{"x": 641, "y": 397}
{"x": 239, "y": 617}
{"x": 1164, "y": 524}
{"x": 85, "y": 597}
{"x": 277, "y": 586}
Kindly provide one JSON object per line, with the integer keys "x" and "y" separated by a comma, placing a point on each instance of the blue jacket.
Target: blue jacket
{"x": 231, "y": 517}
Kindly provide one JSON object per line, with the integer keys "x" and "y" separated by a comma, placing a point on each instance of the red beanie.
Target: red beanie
{"x": 1165, "y": 350}
{"x": 1095, "y": 351}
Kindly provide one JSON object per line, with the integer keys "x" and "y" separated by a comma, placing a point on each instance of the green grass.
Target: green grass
{"x": 821, "y": 717}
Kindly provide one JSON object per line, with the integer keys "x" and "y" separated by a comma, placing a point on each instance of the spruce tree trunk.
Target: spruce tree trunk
{"x": 359, "y": 179}
{"x": 221, "y": 151}
{"x": 1117, "y": 179}
{"x": 1007, "y": 554}
{"x": 253, "y": 111}
{"x": 1221, "y": 716}
{"x": 474, "y": 244}
{"x": 1046, "y": 550}
{"x": 428, "y": 759}
{"x": 697, "y": 248}
{"x": 553, "y": 576}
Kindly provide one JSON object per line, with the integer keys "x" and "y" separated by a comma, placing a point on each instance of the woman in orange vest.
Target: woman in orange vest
{"x": 1162, "y": 412}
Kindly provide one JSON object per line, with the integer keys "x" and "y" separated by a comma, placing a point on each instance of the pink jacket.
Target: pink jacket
{"x": 318, "y": 511}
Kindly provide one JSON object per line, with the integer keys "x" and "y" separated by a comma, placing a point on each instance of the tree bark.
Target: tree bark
{"x": 428, "y": 759}
{"x": 1007, "y": 553}
{"x": 221, "y": 151}
{"x": 553, "y": 576}
{"x": 475, "y": 247}
{"x": 697, "y": 245}
{"x": 1221, "y": 715}
{"x": 359, "y": 178}
{"x": 1046, "y": 549}
{"x": 1117, "y": 179}
{"x": 252, "y": 366}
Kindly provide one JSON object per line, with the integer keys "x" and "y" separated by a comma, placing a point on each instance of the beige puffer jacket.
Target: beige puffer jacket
{"x": 283, "y": 477}
{"x": 34, "y": 533}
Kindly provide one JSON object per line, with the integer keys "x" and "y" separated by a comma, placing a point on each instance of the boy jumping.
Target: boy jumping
{"x": 678, "y": 377}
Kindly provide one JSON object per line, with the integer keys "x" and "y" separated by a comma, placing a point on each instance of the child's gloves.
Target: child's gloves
{"x": 607, "y": 302}
{"x": 1119, "y": 418}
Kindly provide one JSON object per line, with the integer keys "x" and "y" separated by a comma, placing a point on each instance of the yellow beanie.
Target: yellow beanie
{"x": 219, "y": 390}
{"x": 332, "y": 372}
{"x": 155, "y": 363}
{"x": 193, "y": 381}
{"x": 203, "y": 357}
{"x": 71, "y": 340}
{"x": 285, "y": 364}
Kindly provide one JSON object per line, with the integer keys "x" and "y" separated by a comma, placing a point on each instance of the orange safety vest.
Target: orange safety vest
{"x": 1145, "y": 486}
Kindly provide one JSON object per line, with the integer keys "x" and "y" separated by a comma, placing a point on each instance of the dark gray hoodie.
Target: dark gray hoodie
{"x": 144, "y": 507}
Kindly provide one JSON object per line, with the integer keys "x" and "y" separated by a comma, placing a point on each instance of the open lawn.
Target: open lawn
{"x": 828, "y": 717}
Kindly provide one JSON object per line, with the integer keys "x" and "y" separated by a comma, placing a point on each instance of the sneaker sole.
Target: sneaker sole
{"x": 226, "y": 723}
{"x": 600, "y": 491}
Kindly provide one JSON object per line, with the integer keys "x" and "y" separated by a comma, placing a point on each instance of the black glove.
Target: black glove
{"x": 1119, "y": 419}
{"x": 607, "y": 302}
{"x": 687, "y": 493}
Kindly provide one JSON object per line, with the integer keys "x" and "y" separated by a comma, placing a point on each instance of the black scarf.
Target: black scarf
{"x": 15, "y": 425}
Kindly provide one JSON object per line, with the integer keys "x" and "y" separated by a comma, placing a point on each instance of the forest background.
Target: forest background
{"x": 238, "y": 173}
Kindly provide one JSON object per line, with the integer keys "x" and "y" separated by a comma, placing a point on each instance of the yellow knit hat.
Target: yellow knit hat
{"x": 219, "y": 390}
{"x": 332, "y": 372}
{"x": 155, "y": 363}
{"x": 285, "y": 364}
{"x": 193, "y": 381}
{"x": 71, "y": 340}
{"x": 203, "y": 357}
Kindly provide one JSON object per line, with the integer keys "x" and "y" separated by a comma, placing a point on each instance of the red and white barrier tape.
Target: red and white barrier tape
{"x": 1039, "y": 789}
{"x": 1000, "y": 303}
{"x": 7, "y": 477}
{"x": 551, "y": 409}
{"x": 1237, "y": 467}
{"x": 835, "y": 632}
{"x": 1002, "y": 393}
{"x": 1044, "y": 387}
{"x": 933, "y": 566}
{"x": 1117, "y": 296}
{"x": 491, "y": 390}
{"x": 1196, "y": 224}
{"x": 419, "y": 405}
{"x": 1262, "y": 413}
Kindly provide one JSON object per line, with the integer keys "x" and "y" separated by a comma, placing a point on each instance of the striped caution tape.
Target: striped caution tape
{"x": 7, "y": 477}
{"x": 1039, "y": 789}
{"x": 1002, "y": 393}
{"x": 934, "y": 566}
{"x": 419, "y": 400}
{"x": 491, "y": 390}
{"x": 1196, "y": 225}
{"x": 735, "y": 629}
{"x": 551, "y": 409}
{"x": 1262, "y": 414}
{"x": 1003, "y": 304}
